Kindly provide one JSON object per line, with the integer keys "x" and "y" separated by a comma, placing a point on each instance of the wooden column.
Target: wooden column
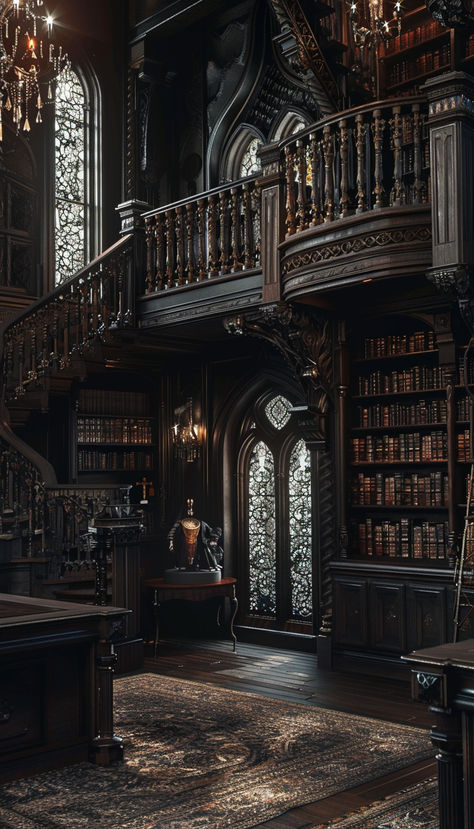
{"x": 272, "y": 221}
{"x": 106, "y": 747}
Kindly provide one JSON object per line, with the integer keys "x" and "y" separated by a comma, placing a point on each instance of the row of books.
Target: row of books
{"x": 417, "y": 378}
{"x": 466, "y": 370}
{"x": 105, "y": 401}
{"x": 410, "y": 37}
{"x": 410, "y": 447}
{"x": 402, "y": 414}
{"x": 419, "y": 65}
{"x": 463, "y": 408}
{"x": 400, "y": 489}
{"x": 95, "y": 461}
{"x": 403, "y": 538}
{"x": 394, "y": 344}
{"x": 114, "y": 430}
{"x": 463, "y": 440}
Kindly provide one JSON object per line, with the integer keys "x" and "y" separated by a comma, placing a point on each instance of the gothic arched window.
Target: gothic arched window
{"x": 76, "y": 174}
{"x": 277, "y": 506}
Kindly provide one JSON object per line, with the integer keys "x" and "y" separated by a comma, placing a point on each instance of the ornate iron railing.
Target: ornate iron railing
{"x": 94, "y": 302}
{"x": 214, "y": 234}
{"x": 361, "y": 160}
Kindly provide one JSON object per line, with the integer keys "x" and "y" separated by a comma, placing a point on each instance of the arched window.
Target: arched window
{"x": 76, "y": 174}
{"x": 277, "y": 502}
{"x": 240, "y": 158}
{"x": 250, "y": 162}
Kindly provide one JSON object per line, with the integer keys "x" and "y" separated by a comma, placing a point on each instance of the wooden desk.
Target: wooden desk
{"x": 443, "y": 677}
{"x": 192, "y": 593}
{"x": 56, "y": 671}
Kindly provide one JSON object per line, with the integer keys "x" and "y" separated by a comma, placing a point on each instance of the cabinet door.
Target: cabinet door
{"x": 350, "y": 612}
{"x": 387, "y": 617}
{"x": 426, "y": 616}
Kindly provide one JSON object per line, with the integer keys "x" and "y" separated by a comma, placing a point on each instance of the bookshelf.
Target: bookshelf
{"x": 114, "y": 434}
{"x": 399, "y": 449}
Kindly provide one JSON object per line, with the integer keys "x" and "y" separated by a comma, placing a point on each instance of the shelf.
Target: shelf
{"x": 109, "y": 471}
{"x": 399, "y": 463}
{"x": 117, "y": 416}
{"x": 391, "y": 507}
{"x": 107, "y": 445}
{"x": 395, "y": 356}
{"x": 421, "y": 44}
{"x": 414, "y": 78}
{"x": 412, "y": 426}
{"x": 385, "y": 394}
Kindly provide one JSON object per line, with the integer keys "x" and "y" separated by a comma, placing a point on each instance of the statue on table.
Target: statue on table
{"x": 195, "y": 548}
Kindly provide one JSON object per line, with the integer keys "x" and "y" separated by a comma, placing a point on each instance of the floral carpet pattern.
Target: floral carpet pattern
{"x": 200, "y": 757}
{"x": 414, "y": 808}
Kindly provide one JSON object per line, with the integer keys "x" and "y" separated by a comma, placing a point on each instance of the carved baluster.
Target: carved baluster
{"x": 160, "y": 275}
{"x": 21, "y": 366}
{"x": 301, "y": 197}
{"x": 213, "y": 266}
{"x": 328, "y": 149}
{"x": 224, "y": 232}
{"x": 256, "y": 200}
{"x": 418, "y": 189}
{"x": 64, "y": 356}
{"x": 290, "y": 192}
{"x": 344, "y": 152}
{"x": 315, "y": 166}
{"x": 360, "y": 149}
{"x": 95, "y": 303}
{"x": 54, "y": 355}
{"x": 45, "y": 340}
{"x": 170, "y": 248}
{"x": 86, "y": 309}
{"x": 190, "y": 257}
{"x": 397, "y": 193}
{"x": 236, "y": 230}
{"x": 201, "y": 239}
{"x": 32, "y": 352}
{"x": 248, "y": 226}
{"x": 377, "y": 133}
{"x": 180, "y": 245}
{"x": 150, "y": 254}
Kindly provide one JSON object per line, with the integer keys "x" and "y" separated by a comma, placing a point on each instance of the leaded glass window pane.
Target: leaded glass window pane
{"x": 278, "y": 411}
{"x": 262, "y": 531}
{"x": 299, "y": 509}
{"x": 250, "y": 161}
{"x": 70, "y": 195}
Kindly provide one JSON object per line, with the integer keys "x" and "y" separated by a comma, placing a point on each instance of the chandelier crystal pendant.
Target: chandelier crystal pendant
{"x": 30, "y": 62}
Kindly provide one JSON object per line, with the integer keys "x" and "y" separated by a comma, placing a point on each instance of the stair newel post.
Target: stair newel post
{"x": 106, "y": 747}
{"x": 378, "y": 127}
{"x": 397, "y": 193}
{"x": 344, "y": 154}
{"x": 290, "y": 192}
{"x": 150, "y": 230}
{"x": 236, "y": 231}
{"x": 201, "y": 239}
{"x": 360, "y": 129}
{"x": 328, "y": 149}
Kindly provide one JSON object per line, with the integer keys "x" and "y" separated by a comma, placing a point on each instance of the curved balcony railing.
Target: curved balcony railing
{"x": 211, "y": 235}
{"x": 57, "y": 328}
{"x": 364, "y": 159}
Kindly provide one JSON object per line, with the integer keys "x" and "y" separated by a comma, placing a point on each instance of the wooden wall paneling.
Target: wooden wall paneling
{"x": 350, "y": 613}
{"x": 387, "y": 615}
{"x": 427, "y": 615}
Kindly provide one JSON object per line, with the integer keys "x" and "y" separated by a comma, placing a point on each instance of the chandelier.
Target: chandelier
{"x": 30, "y": 62}
{"x": 185, "y": 435}
{"x": 371, "y": 27}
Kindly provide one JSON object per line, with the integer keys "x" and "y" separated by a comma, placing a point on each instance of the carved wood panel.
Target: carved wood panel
{"x": 350, "y": 613}
{"x": 387, "y": 614}
{"x": 426, "y": 616}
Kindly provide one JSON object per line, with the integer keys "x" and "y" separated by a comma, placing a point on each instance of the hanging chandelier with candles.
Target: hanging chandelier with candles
{"x": 185, "y": 434}
{"x": 371, "y": 25}
{"x": 30, "y": 61}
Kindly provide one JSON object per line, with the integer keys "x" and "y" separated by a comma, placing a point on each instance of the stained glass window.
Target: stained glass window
{"x": 262, "y": 531}
{"x": 278, "y": 411}
{"x": 250, "y": 163}
{"x": 299, "y": 515}
{"x": 70, "y": 187}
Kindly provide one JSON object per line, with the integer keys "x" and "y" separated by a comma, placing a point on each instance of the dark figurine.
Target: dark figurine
{"x": 194, "y": 544}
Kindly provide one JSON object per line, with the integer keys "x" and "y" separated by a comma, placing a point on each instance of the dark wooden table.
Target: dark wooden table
{"x": 193, "y": 593}
{"x": 443, "y": 677}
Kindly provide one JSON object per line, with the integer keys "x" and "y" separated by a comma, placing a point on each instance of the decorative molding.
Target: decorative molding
{"x": 202, "y": 310}
{"x": 355, "y": 245}
{"x": 458, "y": 102}
{"x": 456, "y": 280}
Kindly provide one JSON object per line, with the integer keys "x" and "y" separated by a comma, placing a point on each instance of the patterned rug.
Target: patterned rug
{"x": 414, "y": 808}
{"x": 200, "y": 757}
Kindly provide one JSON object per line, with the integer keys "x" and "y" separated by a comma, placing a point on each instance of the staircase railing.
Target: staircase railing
{"x": 211, "y": 235}
{"x": 59, "y": 327}
{"x": 361, "y": 160}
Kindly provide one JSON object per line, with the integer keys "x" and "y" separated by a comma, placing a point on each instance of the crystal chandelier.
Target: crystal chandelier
{"x": 30, "y": 61}
{"x": 371, "y": 27}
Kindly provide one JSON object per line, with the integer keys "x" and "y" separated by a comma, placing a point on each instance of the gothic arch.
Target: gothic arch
{"x": 235, "y": 150}
{"x": 287, "y": 123}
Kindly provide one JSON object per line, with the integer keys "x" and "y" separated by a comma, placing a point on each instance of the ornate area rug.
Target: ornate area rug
{"x": 200, "y": 757}
{"x": 414, "y": 808}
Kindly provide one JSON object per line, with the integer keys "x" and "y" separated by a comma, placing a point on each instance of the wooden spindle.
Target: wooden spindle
{"x": 224, "y": 260}
{"x": 328, "y": 150}
{"x": 236, "y": 230}
{"x": 301, "y": 192}
{"x": 248, "y": 226}
{"x": 397, "y": 193}
{"x": 170, "y": 248}
{"x": 190, "y": 229}
{"x": 315, "y": 169}
{"x": 213, "y": 267}
{"x": 377, "y": 135}
{"x": 360, "y": 149}
{"x": 344, "y": 155}
{"x": 160, "y": 276}
{"x": 180, "y": 245}
{"x": 290, "y": 192}
{"x": 150, "y": 254}
{"x": 201, "y": 239}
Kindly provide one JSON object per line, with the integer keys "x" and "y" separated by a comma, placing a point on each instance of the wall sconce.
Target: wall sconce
{"x": 186, "y": 440}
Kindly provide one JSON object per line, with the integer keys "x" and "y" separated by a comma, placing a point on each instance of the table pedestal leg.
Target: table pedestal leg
{"x": 234, "y": 604}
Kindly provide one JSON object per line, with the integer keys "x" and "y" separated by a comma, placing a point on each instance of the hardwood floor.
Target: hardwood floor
{"x": 295, "y": 677}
